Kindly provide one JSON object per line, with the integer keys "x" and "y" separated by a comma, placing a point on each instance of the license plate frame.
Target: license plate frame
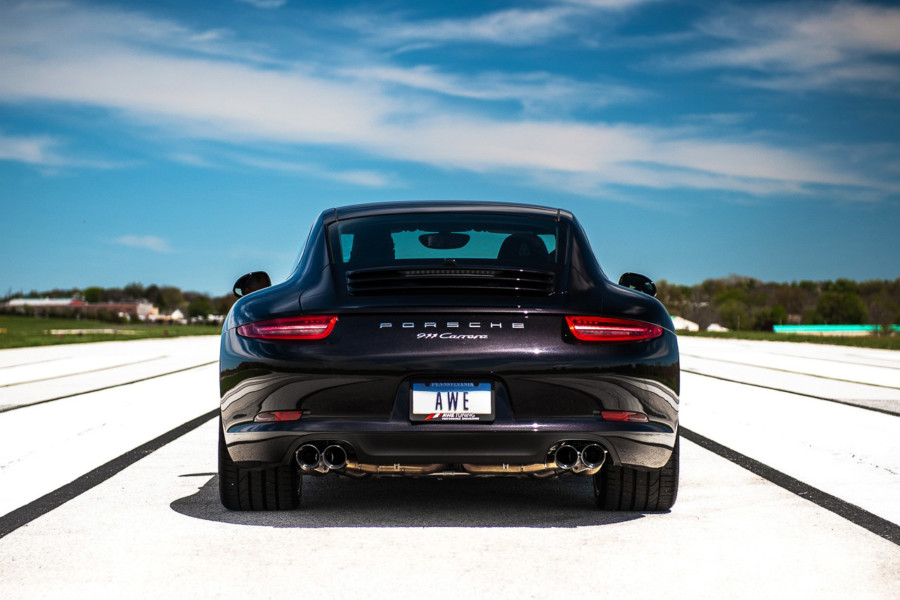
{"x": 441, "y": 401}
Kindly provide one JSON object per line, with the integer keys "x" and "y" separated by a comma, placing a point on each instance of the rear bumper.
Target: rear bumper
{"x": 644, "y": 445}
{"x": 547, "y": 390}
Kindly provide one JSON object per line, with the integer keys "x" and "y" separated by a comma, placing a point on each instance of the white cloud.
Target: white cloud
{"x": 35, "y": 150}
{"x": 211, "y": 35}
{"x": 44, "y": 29}
{"x": 510, "y": 27}
{"x": 535, "y": 90}
{"x": 146, "y": 242}
{"x": 836, "y": 45}
{"x": 716, "y": 119}
{"x": 43, "y": 151}
{"x": 190, "y": 159}
{"x": 361, "y": 177}
{"x": 373, "y": 111}
{"x": 608, "y": 4}
{"x": 612, "y": 154}
{"x": 265, "y": 3}
{"x": 203, "y": 94}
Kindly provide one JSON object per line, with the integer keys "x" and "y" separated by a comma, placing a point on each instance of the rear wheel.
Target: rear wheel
{"x": 626, "y": 488}
{"x": 276, "y": 488}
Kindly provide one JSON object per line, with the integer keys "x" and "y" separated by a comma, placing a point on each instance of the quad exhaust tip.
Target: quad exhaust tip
{"x": 566, "y": 456}
{"x": 310, "y": 459}
{"x": 593, "y": 456}
{"x": 586, "y": 461}
{"x": 307, "y": 456}
{"x": 334, "y": 457}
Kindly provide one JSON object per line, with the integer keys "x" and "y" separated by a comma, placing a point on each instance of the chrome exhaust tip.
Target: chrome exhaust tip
{"x": 334, "y": 457}
{"x": 566, "y": 457}
{"x": 307, "y": 457}
{"x": 593, "y": 456}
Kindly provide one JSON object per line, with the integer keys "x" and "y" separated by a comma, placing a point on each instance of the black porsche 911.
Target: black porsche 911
{"x": 448, "y": 338}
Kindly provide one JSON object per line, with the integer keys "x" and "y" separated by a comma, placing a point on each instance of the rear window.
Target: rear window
{"x": 483, "y": 238}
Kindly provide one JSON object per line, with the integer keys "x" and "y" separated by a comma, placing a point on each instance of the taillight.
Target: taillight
{"x": 604, "y": 329}
{"x": 313, "y": 327}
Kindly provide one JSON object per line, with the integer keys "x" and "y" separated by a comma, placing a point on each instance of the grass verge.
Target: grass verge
{"x": 867, "y": 341}
{"x": 19, "y": 331}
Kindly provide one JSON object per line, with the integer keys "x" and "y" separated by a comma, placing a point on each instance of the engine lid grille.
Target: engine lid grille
{"x": 495, "y": 281}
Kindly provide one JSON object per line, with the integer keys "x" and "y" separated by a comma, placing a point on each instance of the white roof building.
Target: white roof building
{"x": 682, "y": 324}
{"x": 43, "y": 302}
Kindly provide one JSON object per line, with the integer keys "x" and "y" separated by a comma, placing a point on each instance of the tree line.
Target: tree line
{"x": 166, "y": 297}
{"x": 739, "y": 303}
{"x": 745, "y": 303}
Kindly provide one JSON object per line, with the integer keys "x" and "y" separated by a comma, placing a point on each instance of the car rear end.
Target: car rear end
{"x": 449, "y": 339}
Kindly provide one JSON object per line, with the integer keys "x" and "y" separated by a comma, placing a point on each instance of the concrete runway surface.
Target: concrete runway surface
{"x": 790, "y": 487}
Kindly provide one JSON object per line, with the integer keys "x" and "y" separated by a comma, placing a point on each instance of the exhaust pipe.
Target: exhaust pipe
{"x": 307, "y": 457}
{"x": 369, "y": 469}
{"x": 334, "y": 457}
{"x": 536, "y": 469}
{"x": 566, "y": 457}
{"x": 593, "y": 456}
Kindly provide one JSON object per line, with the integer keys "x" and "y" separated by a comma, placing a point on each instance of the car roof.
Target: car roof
{"x": 444, "y": 206}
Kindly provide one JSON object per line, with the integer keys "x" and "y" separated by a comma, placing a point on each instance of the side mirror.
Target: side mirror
{"x": 251, "y": 282}
{"x": 638, "y": 282}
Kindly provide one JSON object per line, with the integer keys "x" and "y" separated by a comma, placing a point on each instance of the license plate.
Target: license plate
{"x": 444, "y": 401}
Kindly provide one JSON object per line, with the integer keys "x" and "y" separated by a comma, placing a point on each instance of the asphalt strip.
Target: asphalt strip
{"x": 835, "y": 360}
{"x": 34, "y": 362}
{"x": 885, "y": 411}
{"x": 76, "y": 374}
{"x": 877, "y": 525}
{"x": 4, "y": 409}
{"x": 734, "y": 362}
{"x": 37, "y": 508}
{"x": 31, "y": 511}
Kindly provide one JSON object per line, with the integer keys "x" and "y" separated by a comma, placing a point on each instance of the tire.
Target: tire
{"x": 626, "y": 488}
{"x": 276, "y": 488}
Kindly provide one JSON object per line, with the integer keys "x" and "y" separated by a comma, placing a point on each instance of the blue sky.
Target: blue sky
{"x": 186, "y": 143}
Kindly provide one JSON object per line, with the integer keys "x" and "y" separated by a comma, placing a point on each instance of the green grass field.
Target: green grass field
{"x": 19, "y": 331}
{"x": 869, "y": 341}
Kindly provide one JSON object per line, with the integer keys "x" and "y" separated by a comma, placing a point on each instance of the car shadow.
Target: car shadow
{"x": 398, "y": 502}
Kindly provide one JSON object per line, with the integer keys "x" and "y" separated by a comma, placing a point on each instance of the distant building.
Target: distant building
{"x": 682, "y": 324}
{"x": 717, "y": 327}
{"x": 122, "y": 309}
{"x": 43, "y": 303}
{"x": 145, "y": 310}
{"x": 141, "y": 310}
{"x": 176, "y": 316}
{"x": 209, "y": 319}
